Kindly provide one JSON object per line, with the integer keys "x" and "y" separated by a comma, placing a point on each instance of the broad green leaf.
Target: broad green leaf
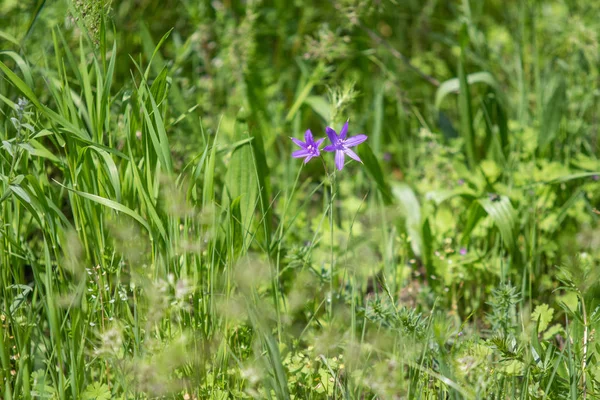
{"x": 412, "y": 212}
{"x": 263, "y": 177}
{"x": 241, "y": 178}
{"x": 542, "y": 313}
{"x": 453, "y": 85}
{"x": 96, "y": 391}
{"x": 504, "y": 216}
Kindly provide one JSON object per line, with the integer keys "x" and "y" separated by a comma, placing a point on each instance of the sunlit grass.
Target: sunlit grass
{"x": 157, "y": 239}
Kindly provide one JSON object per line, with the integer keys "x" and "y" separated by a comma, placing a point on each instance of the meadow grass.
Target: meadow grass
{"x": 157, "y": 239}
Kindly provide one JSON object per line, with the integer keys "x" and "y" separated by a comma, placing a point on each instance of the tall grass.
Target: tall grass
{"x": 158, "y": 241}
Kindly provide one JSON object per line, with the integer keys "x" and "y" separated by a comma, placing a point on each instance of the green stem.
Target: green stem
{"x": 277, "y": 261}
{"x": 333, "y": 192}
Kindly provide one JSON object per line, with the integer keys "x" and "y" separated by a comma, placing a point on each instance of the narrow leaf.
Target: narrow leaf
{"x": 374, "y": 170}
{"x": 112, "y": 205}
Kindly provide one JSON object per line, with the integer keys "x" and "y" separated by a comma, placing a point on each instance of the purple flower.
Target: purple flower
{"x": 341, "y": 145}
{"x": 463, "y": 251}
{"x": 310, "y": 148}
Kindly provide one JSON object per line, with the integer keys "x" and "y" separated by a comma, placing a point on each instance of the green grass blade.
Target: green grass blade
{"x": 466, "y": 114}
{"x": 113, "y": 205}
{"x": 241, "y": 178}
{"x": 553, "y": 112}
{"x": 375, "y": 171}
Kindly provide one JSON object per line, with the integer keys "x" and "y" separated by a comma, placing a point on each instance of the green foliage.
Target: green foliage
{"x": 543, "y": 314}
{"x": 96, "y": 391}
{"x": 158, "y": 241}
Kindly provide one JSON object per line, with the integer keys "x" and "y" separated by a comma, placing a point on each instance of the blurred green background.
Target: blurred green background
{"x": 461, "y": 260}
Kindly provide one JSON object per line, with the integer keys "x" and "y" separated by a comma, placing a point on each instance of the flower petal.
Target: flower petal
{"x": 307, "y": 159}
{"x": 339, "y": 159}
{"x": 344, "y": 130}
{"x": 300, "y": 153}
{"x": 308, "y": 137}
{"x": 298, "y": 142}
{"x": 329, "y": 148}
{"x": 318, "y": 142}
{"x": 333, "y": 137}
{"x": 355, "y": 140}
{"x": 353, "y": 155}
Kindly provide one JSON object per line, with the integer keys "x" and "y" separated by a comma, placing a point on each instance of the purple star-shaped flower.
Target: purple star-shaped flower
{"x": 310, "y": 148}
{"x": 341, "y": 145}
